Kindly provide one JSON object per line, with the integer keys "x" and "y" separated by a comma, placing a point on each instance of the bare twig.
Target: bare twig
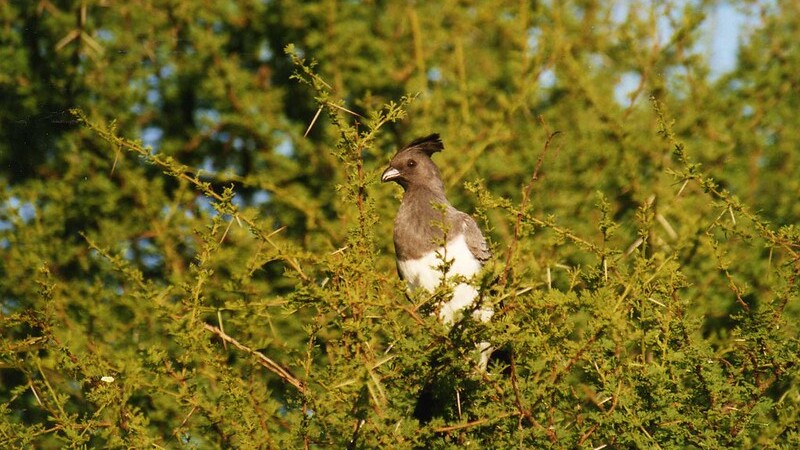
{"x": 526, "y": 193}
{"x": 474, "y": 423}
{"x": 313, "y": 121}
{"x": 271, "y": 365}
{"x": 185, "y": 420}
{"x": 334, "y": 105}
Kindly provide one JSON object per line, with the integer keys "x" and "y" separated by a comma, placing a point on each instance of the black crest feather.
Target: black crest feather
{"x": 429, "y": 144}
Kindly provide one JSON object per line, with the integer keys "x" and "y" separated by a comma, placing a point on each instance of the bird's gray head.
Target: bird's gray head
{"x": 412, "y": 165}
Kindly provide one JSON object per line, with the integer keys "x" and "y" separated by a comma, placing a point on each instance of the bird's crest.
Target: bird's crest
{"x": 429, "y": 144}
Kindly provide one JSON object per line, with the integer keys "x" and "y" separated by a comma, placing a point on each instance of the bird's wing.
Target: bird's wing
{"x": 399, "y": 272}
{"x": 475, "y": 240}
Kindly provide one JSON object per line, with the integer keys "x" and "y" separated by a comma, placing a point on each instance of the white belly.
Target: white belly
{"x": 426, "y": 273}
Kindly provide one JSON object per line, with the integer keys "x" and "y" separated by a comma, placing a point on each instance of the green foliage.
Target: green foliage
{"x": 195, "y": 247}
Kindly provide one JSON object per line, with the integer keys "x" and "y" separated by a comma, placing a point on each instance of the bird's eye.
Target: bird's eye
{"x": 411, "y": 163}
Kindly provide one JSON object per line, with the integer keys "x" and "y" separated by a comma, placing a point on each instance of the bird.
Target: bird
{"x": 434, "y": 242}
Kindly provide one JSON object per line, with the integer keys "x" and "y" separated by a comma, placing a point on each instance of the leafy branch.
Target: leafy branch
{"x": 180, "y": 171}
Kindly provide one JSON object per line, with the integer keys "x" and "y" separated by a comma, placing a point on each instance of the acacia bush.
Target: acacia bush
{"x": 195, "y": 249}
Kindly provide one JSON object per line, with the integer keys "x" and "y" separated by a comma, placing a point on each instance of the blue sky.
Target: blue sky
{"x": 721, "y": 34}
{"x": 726, "y": 27}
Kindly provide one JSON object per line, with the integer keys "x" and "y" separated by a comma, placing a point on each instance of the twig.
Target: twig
{"x": 474, "y": 423}
{"x": 524, "y": 412}
{"x": 183, "y": 172}
{"x": 313, "y": 121}
{"x": 221, "y": 328}
{"x": 525, "y": 197}
{"x": 271, "y": 365}
{"x": 116, "y": 158}
{"x": 225, "y": 233}
{"x": 334, "y": 105}
{"x": 33, "y": 389}
{"x": 586, "y": 435}
{"x": 185, "y": 420}
{"x": 52, "y": 391}
{"x": 691, "y": 171}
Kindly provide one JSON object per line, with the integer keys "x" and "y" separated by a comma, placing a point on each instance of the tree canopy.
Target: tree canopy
{"x": 196, "y": 252}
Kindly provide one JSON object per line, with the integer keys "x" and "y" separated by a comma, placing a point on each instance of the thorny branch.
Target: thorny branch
{"x": 526, "y": 193}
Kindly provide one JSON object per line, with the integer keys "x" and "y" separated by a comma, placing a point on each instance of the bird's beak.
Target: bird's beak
{"x": 390, "y": 174}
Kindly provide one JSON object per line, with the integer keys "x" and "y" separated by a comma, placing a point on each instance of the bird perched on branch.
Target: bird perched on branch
{"x": 433, "y": 241}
